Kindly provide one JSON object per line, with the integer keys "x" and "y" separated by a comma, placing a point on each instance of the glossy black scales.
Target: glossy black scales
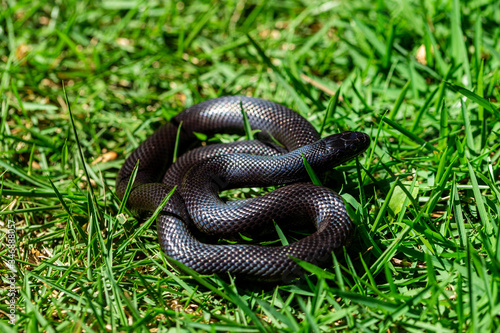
{"x": 201, "y": 173}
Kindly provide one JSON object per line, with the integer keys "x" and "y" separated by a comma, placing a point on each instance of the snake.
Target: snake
{"x": 195, "y": 215}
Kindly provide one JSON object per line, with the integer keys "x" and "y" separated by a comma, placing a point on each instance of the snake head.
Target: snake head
{"x": 342, "y": 147}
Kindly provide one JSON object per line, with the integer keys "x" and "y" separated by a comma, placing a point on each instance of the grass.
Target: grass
{"x": 420, "y": 77}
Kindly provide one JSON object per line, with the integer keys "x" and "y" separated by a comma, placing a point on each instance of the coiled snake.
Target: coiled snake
{"x": 202, "y": 173}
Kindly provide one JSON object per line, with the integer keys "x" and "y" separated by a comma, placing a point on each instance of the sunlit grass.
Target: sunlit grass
{"x": 421, "y": 78}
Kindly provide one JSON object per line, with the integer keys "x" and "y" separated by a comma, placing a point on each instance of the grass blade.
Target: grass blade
{"x": 409, "y": 134}
{"x": 314, "y": 178}
{"x": 475, "y": 98}
{"x": 330, "y": 110}
{"x": 176, "y": 146}
{"x": 399, "y": 101}
{"x": 246, "y": 123}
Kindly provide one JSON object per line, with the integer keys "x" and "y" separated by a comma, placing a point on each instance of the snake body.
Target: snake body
{"x": 202, "y": 173}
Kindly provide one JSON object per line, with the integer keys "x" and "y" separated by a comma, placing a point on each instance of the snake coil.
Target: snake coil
{"x": 202, "y": 173}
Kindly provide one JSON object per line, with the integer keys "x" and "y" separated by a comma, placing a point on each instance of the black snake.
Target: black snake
{"x": 202, "y": 173}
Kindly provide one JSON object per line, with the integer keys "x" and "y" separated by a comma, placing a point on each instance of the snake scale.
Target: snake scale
{"x": 202, "y": 173}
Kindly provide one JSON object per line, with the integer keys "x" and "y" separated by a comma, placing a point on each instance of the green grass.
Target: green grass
{"x": 425, "y": 196}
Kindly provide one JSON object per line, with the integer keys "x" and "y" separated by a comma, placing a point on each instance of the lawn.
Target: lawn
{"x": 420, "y": 77}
